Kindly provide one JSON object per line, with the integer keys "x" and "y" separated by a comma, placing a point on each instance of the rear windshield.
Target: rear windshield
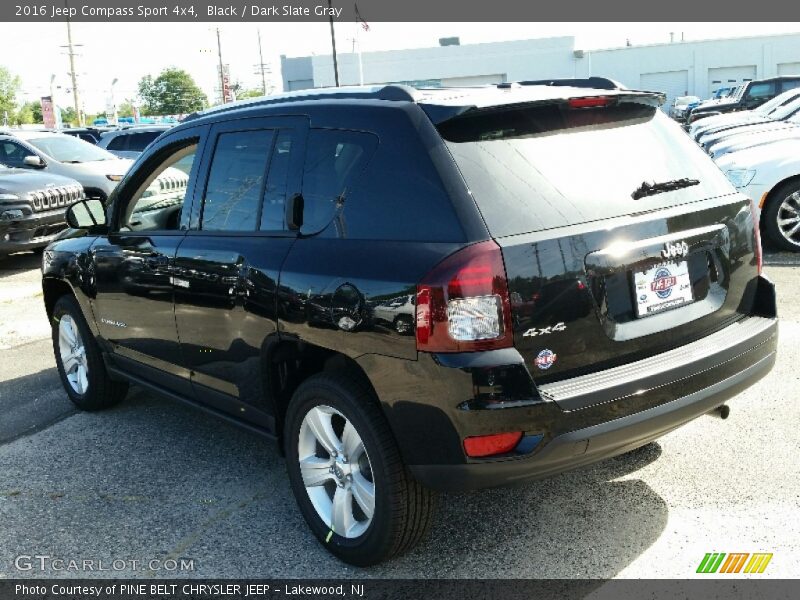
{"x": 531, "y": 169}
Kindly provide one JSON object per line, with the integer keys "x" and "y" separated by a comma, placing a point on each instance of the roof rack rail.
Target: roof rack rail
{"x": 393, "y": 92}
{"x": 599, "y": 83}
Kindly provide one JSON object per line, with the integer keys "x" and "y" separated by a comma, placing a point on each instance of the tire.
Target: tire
{"x": 403, "y": 509}
{"x": 84, "y": 376}
{"x": 783, "y": 200}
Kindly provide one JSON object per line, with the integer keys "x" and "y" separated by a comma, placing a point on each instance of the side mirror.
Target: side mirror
{"x": 294, "y": 212}
{"x": 86, "y": 214}
{"x": 33, "y": 161}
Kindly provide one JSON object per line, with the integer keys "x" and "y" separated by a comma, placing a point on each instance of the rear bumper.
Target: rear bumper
{"x": 590, "y": 444}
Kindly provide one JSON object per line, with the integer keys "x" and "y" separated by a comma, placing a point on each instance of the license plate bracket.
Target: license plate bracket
{"x": 662, "y": 287}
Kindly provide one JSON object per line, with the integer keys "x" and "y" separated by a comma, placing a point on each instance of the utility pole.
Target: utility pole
{"x": 73, "y": 75}
{"x": 333, "y": 45}
{"x": 221, "y": 70}
{"x": 261, "y": 65}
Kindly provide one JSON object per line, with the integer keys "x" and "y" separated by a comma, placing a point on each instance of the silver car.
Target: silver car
{"x": 96, "y": 169}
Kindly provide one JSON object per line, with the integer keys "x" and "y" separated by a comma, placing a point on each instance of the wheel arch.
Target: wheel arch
{"x": 770, "y": 195}
{"x": 288, "y": 362}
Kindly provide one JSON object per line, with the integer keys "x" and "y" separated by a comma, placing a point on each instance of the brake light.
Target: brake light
{"x": 463, "y": 303}
{"x": 491, "y": 445}
{"x": 757, "y": 237}
{"x": 589, "y": 102}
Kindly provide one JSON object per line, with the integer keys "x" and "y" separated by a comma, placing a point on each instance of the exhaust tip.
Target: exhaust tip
{"x": 721, "y": 411}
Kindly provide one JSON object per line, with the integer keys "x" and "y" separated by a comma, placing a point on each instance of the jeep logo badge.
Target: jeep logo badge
{"x": 673, "y": 250}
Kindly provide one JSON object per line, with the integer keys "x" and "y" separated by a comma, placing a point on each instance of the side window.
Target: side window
{"x": 235, "y": 181}
{"x": 12, "y": 154}
{"x": 158, "y": 201}
{"x": 273, "y": 211}
{"x": 139, "y": 141}
{"x": 118, "y": 142}
{"x": 790, "y": 84}
{"x": 759, "y": 91}
{"x": 334, "y": 160}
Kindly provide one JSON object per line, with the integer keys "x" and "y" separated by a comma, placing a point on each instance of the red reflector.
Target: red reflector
{"x": 490, "y": 445}
{"x": 589, "y": 102}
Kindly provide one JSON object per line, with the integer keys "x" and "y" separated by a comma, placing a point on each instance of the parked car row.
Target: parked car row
{"x": 748, "y": 96}
{"x": 42, "y": 173}
{"x": 759, "y": 152}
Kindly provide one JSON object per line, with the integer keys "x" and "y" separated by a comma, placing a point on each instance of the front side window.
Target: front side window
{"x": 158, "y": 202}
{"x": 236, "y": 180}
{"x": 13, "y": 155}
{"x": 761, "y": 90}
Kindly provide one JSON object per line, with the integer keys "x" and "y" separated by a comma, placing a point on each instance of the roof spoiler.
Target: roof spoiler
{"x": 598, "y": 83}
{"x": 438, "y": 114}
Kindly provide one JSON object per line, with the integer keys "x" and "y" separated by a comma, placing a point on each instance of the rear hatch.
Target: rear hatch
{"x": 603, "y": 267}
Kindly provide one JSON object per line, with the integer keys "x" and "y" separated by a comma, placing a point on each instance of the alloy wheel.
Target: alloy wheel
{"x": 72, "y": 352}
{"x": 336, "y": 471}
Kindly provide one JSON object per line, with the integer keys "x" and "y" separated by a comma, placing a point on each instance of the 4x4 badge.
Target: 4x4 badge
{"x": 534, "y": 331}
{"x": 673, "y": 250}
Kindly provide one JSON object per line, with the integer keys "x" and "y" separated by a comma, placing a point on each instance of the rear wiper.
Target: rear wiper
{"x": 650, "y": 189}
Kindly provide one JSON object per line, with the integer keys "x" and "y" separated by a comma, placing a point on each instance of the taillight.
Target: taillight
{"x": 463, "y": 303}
{"x": 589, "y": 102}
{"x": 757, "y": 234}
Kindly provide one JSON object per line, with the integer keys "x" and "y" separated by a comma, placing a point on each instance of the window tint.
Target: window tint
{"x": 761, "y": 90}
{"x": 790, "y": 84}
{"x": 12, "y": 155}
{"x": 274, "y": 207}
{"x": 539, "y": 168}
{"x": 235, "y": 181}
{"x": 139, "y": 141}
{"x": 159, "y": 200}
{"x": 88, "y": 137}
{"x": 118, "y": 142}
{"x": 334, "y": 160}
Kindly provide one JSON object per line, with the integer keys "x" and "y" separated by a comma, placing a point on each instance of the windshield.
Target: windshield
{"x": 68, "y": 149}
{"x": 538, "y": 168}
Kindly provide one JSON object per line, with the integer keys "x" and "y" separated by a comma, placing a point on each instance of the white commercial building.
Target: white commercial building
{"x": 678, "y": 68}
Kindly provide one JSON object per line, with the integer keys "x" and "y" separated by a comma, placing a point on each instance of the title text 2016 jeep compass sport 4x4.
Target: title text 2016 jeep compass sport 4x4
{"x": 584, "y": 281}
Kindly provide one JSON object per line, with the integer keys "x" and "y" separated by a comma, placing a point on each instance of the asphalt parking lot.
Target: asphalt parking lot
{"x": 154, "y": 480}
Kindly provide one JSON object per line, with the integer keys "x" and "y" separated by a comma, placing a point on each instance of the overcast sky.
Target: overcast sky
{"x": 130, "y": 51}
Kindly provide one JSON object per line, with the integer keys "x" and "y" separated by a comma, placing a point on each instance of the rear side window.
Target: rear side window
{"x": 536, "y": 168}
{"x": 334, "y": 160}
{"x": 119, "y": 142}
{"x": 790, "y": 84}
{"x": 235, "y": 181}
{"x": 139, "y": 141}
{"x": 273, "y": 211}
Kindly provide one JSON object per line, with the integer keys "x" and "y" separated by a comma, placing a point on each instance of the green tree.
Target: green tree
{"x": 24, "y": 116}
{"x": 241, "y": 94}
{"x": 172, "y": 92}
{"x": 68, "y": 115}
{"x": 125, "y": 108}
{"x": 9, "y": 88}
{"x": 30, "y": 112}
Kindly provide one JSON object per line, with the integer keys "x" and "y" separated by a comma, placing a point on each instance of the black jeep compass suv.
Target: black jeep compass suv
{"x": 584, "y": 280}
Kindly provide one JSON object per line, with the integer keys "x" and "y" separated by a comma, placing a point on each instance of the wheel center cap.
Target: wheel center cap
{"x": 341, "y": 468}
